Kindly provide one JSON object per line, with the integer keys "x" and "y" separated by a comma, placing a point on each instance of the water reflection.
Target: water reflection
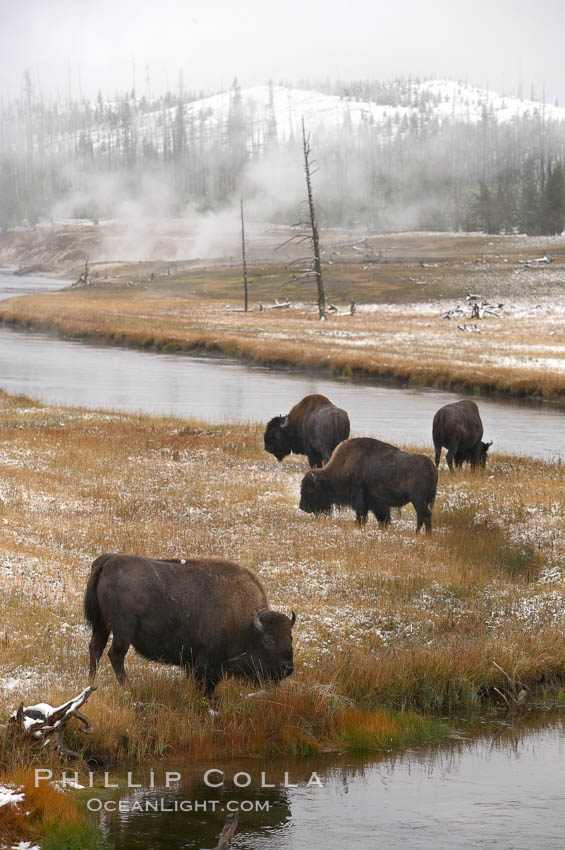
{"x": 503, "y": 788}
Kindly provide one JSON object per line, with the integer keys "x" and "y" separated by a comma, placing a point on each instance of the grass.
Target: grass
{"x": 46, "y": 814}
{"x": 393, "y": 634}
{"x": 398, "y": 335}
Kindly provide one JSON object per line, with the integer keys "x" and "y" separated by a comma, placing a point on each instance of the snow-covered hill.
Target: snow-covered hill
{"x": 444, "y": 100}
{"x": 275, "y": 113}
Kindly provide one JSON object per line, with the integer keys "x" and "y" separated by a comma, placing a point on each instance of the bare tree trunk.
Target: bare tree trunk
{"x": 314, "y": 224}
{"x": 228, "y": 831}
{"x": 244, "y": 262}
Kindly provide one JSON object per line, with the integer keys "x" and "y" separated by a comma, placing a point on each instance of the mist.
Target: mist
{"x": 73, "y": 50}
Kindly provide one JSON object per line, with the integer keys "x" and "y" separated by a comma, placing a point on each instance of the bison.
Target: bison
{"x": 206, "y": 616}
{"x": 367, "y": 475}
{"x": 314, "y": 427}
{"x": 458, "y": 427}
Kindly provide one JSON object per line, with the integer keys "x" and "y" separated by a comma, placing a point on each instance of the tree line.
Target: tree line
{"x": 418, "y": 170}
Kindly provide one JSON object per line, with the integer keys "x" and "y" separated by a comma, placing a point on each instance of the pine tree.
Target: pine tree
{"x": 553, "y": 201}
{"x": 529, "y": 216}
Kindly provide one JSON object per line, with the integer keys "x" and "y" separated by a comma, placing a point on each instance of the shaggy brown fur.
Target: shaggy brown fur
{"x": 458, "y": 427}
{"x": 313, "y": 427}
{"x": 209, "y": 616}
{"x": 368, "y": 475}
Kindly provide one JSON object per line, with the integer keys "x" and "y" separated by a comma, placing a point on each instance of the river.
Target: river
{"x": 220, "y": 390}
{"x": 501, "y": 789}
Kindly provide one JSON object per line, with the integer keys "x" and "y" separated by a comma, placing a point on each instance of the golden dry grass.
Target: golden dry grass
{"x": 386, "y": 620}
{"x": 399, "y": 332}
{"x": 45, "y": 813}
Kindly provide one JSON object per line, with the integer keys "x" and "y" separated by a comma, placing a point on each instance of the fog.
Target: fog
{"x": 75, "y": 49}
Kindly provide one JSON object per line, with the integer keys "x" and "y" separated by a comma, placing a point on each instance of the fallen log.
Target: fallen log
{"x": 228, "y": 831}
{"x": 46, "y": 723}
{"x": 284, "y": 305}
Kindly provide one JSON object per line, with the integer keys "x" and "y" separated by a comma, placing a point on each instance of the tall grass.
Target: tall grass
{"x": 46, "y": 814}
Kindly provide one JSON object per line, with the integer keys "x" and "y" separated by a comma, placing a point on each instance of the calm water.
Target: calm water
{"x": 501, "y": 792}
{"x": 218, "y": 389}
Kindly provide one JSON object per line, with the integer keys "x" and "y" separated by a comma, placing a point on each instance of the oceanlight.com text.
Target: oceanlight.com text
{"x": 95, "y": 804}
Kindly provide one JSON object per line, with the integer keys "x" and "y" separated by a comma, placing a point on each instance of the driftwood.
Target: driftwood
{"x": 479, "y": 308}
{"x": 515, "y": 693}
{"x": 43, "y": 722}
{"x": 284, "y": 305}
{"x": 538, "y": 261}
{"x": 228, "y": 831}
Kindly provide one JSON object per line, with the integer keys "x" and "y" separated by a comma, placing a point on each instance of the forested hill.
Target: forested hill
{"x": 404, "y": 154}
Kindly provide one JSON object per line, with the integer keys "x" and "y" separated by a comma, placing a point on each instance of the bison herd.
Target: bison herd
{"x": 211, "y": 617}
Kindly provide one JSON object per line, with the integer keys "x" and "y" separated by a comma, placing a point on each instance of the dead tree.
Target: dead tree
{"x": 313, "y": 223}
{"x": 228, "y": 831}
{"x": 244, "y": 262}
{"x": 45, "y": 723}
{"x": 312, "y": 265}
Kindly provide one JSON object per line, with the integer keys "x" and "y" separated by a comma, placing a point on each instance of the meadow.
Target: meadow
{"x": 396, "y": 634}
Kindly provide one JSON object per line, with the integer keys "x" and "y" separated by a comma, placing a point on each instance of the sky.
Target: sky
{"x": 80, "y": 47}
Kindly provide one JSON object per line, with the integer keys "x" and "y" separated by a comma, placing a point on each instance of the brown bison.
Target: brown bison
{"x": 207, "y": 616}
{"x": 314, "y": 427}
{"x": 367, "y": 475}
{"x": 458, "y": 427}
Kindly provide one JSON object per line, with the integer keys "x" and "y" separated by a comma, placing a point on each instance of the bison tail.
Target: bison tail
{"x": 92, "y": 610}
{"x": 432, "y": 492}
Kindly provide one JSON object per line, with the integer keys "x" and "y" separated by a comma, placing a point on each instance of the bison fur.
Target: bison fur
{"x": 210, "y": 617}
{"x": 458, "y": 427}
{"x": 314, "y": 427}
{"x": 368, "y": 475}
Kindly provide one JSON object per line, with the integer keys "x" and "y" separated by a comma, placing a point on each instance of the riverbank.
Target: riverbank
{"x": 394, "y": 633}
{"x": 403, "y": 286}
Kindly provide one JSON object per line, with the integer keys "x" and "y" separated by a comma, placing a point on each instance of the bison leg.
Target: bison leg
{"x": 437, "y": 453}
{"x": 449, "y": 458}
{"x": 314, "y": 458}
{"x": 423, "y": 517}
{"x": 383, "y": 516}
{"x": 96, "y": 647}
{"x": 116, "y": 654}
{"x": 207, "y": 680}
{"x": 359, "y": 505}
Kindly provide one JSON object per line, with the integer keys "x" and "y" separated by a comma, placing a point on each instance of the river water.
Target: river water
{"x": 504, "y": 791}
{"x": 221, "y": 390}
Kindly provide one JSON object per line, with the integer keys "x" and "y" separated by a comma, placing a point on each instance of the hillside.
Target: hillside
{"x": 431, "y": 155}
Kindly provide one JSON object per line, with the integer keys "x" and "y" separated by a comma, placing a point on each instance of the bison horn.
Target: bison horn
{"x": 292, "y": 620}
{"x": 489, "y": 445}
{"x": 257, "y": 621}
{"x": 284, "y": 424}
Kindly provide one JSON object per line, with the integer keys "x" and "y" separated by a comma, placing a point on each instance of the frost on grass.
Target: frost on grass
{"x": 165, "y": 488}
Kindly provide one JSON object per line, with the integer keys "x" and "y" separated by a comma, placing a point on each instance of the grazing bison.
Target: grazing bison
{"x": 458, "y": 427}
{"x": 208, "y": 616}
{"x": 367, "y": 475}
{"x": 314, "y": 427}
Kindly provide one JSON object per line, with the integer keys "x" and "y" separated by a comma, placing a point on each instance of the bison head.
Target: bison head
{"x": 477, "y": 456}
{"x": 271, "y": 656}
{"x": 277, "y": 437}
{"x": 315, "y": 494}
{"x": 482, "y": 459}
